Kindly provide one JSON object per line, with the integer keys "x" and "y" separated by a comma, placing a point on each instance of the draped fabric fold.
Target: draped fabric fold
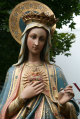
{"x": 43, "y": 105}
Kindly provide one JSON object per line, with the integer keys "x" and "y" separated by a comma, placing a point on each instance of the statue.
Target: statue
{"x": 35, "y": 88}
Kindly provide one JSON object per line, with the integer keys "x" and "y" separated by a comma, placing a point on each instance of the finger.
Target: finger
{"x": 69, "y": 92}
{"x": 66, "y": 89}
{"x": 61, "y": 89}
{"x": 31, "y": 83}
{"x": 39, "y": 85}
{"x": 40, "y": 91}
{"x": 36, "y": 83}
{"x": 39, "y": 88}
{"x": 69, "y": 86}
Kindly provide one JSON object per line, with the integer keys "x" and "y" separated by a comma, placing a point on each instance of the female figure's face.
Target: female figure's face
{"x": 36, "y": 40}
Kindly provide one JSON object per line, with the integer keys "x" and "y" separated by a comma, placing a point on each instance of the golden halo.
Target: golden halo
{"x": 16, "y": 24}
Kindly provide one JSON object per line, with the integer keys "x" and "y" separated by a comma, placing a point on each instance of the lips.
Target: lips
{"x": 35, "y": 48}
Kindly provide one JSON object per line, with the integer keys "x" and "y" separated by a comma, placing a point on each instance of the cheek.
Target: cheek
{"x": 29, "y": 43}
{"x": 42, "y": 45}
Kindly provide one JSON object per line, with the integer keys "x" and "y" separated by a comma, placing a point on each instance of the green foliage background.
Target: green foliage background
{"x": 61, "y": 43}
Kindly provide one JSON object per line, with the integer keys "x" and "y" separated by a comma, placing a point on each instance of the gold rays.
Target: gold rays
{"x": 34, "y": 73}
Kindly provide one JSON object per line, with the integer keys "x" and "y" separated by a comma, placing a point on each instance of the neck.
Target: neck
{"x": 34, "y": 58}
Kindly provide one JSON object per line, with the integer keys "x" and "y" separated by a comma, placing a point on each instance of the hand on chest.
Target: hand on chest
{"x": 33, "y": 73}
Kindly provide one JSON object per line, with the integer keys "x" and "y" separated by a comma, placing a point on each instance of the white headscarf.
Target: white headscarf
{"x": 23, "y": 38}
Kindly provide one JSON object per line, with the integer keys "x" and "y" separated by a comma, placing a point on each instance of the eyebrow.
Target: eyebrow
{"x": 36, "y": 34}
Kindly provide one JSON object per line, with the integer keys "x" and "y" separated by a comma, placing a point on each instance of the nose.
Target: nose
{"x": 36, "y": 42}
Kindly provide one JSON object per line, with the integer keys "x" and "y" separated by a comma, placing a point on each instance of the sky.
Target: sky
{"x": 71, "y": 65}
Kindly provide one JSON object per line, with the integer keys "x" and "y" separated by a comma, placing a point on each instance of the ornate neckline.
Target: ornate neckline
{"x": 36, "y": 64}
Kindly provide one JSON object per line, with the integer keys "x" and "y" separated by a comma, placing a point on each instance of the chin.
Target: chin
{"x": 35, "y": 53}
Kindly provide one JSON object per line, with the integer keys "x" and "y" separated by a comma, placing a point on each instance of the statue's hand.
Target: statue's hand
{"x": 65, "y": 95}
{"x": 32, "y": 89}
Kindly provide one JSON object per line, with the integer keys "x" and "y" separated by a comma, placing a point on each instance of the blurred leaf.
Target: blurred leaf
{"x": 72, "y": 25}
{"x": 61, "y": 43}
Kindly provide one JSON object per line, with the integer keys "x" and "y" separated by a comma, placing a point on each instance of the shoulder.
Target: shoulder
{"x": 56, "y": 67}
{"x": 9, "y": 73}
{"x": 12, "y": 69}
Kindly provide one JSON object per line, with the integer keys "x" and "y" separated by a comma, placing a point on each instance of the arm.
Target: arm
{"x": 6, "y": 94}
{"x": 29, "y": 91}
{"x": 62, "y": 83}
{"x": 15, "y": 106}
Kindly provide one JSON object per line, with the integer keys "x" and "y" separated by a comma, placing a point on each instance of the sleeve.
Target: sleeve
{"x": 6, "y": 87}
{"x": 62, "y": 83}
{"x": 17, "y": 103}
{"x": 15, "y": 106}
{"x": 61, "y": 80}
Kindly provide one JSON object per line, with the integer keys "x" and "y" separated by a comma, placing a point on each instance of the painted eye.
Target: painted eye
{"x": 42, "y": 39}
{"x": 33, "y": 36}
